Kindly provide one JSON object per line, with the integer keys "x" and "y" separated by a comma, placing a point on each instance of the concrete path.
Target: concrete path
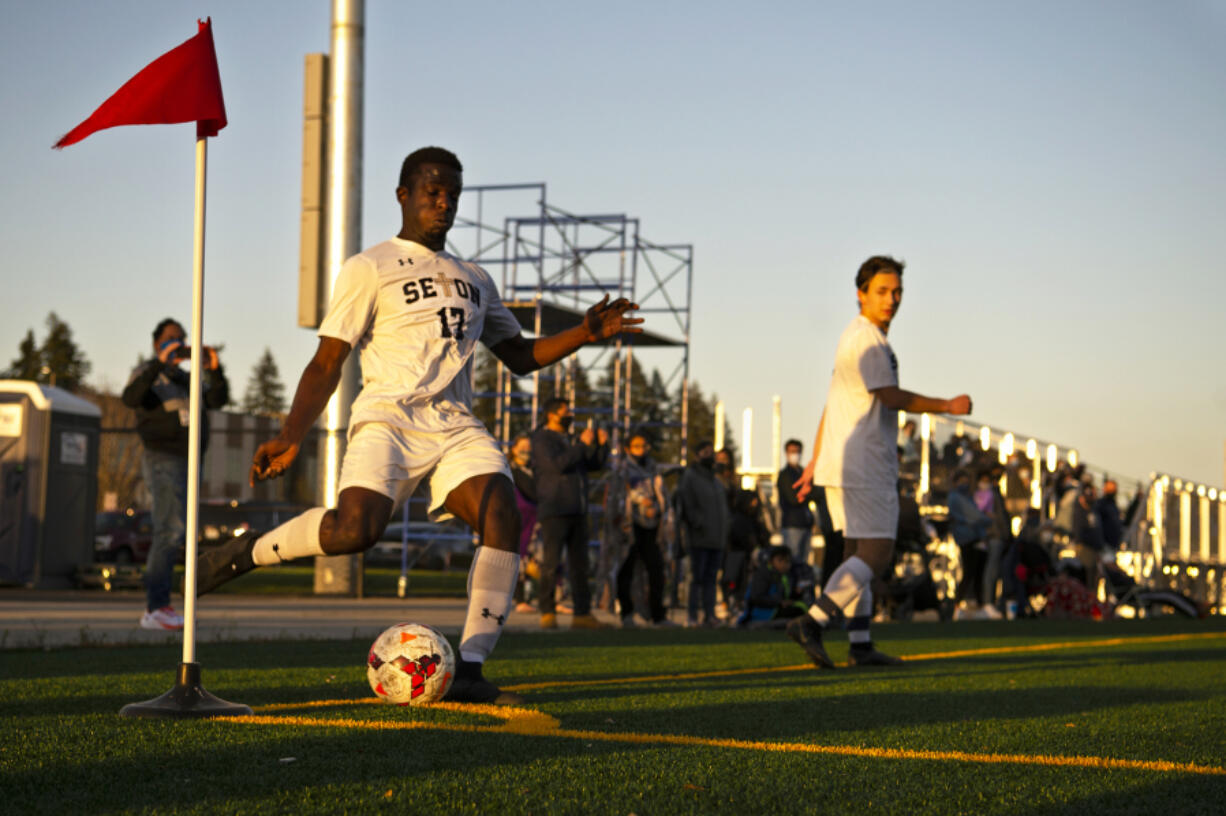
{"x": 46, "y": 620}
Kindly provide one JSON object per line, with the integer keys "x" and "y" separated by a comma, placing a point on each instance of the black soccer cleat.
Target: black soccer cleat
{"x": 224, "y": 562}
{"x": 872, "y": 657}
{"x": 469, "y": 686}
{"x": 808, "y": 633}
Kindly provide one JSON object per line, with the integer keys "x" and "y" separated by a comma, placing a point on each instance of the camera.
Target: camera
{"x": 181, "y": 353}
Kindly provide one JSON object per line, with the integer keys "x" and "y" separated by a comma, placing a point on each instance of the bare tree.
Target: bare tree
{"x": 119, "y": 452}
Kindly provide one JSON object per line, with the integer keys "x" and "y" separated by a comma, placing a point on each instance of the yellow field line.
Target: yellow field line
{"x": 1071, "y": 644}
{"x": 535, "y": 723}
{"x": 998, "y": 650}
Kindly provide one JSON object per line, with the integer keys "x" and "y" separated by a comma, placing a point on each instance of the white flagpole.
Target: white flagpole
{"x": 193, "y": 434}
{"x": 188, "y": 698}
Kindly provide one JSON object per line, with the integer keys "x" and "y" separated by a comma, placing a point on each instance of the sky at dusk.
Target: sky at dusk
{"x": 1051, "y": 172}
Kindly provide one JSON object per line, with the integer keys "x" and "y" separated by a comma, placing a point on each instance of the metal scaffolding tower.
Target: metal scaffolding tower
{"x": 554, "y": 265}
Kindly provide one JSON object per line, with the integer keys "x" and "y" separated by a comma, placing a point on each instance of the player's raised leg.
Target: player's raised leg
{"x": 487, "y": 504}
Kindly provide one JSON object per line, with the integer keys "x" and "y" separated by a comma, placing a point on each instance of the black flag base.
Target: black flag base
{"x": 186, "y": 699}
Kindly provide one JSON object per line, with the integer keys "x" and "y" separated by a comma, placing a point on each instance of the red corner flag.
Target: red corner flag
{"x": 182, "y": 85}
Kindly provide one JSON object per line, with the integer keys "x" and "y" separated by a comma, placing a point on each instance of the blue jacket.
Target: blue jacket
{"x": 967, "y": 522}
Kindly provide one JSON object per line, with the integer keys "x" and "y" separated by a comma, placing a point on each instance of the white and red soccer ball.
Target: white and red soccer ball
{"x": 410, "y": 664}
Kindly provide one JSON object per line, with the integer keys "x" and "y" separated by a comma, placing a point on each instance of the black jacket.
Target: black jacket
{"x": 792, "y": 511}
{"x": 702, "y": 504}
{"x": 525, "y": 483}
{"x": 1087, "y": 529}
{"x": 560, "y": 465}
{"x": 159, "y": 394}
{"x": 1109, "y": 515}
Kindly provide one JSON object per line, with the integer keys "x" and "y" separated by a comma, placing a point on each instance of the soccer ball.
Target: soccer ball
{"x": 410, "y": 664}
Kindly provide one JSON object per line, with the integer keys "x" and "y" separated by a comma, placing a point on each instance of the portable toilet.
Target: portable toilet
{"x": 48, "y": 483}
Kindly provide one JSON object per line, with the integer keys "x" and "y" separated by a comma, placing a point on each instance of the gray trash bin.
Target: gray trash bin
{"x": 48, "y": 483}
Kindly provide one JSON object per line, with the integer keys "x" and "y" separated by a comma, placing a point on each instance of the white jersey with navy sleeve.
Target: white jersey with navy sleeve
{"x": 415, "y": 316}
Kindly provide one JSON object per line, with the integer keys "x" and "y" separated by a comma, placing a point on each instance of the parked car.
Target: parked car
{"x": 429, "y": 545}
{"x": 220, "y": 520}
{"x": 123, "y": 537}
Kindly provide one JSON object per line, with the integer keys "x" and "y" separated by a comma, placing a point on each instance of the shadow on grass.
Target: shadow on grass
{"x": 237, "y": 768}
{"x": 220, "y": 767}
{"x": 156, "y": 657}
{"x": 848, "y": 708}
{"x": 216, "y": 767}
{"x": 943, "y": 668}
{"x": 917, "y": 637}
{"x": 346, "y": 688}
{"x": 1177, "y": 794}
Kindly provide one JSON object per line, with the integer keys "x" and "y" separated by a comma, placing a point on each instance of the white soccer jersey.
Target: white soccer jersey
{"x": 415, "y": 316}
{"x": 858, "y": 445}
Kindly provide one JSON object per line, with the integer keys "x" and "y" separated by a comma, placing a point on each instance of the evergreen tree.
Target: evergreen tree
{"x": 702, "y": 421}
{"x": 58, "y": 361}
{"x": 652, "y": 409}
{"x": 265, "y": 395}
{"x": 559, "y": 378}
{"x": 29, "y": 361}
{"x": 66, "y": 364}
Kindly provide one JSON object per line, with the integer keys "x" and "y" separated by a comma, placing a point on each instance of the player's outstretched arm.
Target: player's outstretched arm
{"x": 319, "y": 379}
{"x": 604, "y": 320}
{"x": 896, "y": 398}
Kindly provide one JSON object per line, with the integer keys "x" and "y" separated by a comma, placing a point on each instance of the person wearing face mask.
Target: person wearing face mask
{"x": 560, "y": 465}
{"x": 702, "y": 504}
{"x": 795, "y": 518}
{"x": 969, "y": 525}
{"x": 725, "y": 472}
{"x": 988, "y": 499}
{"x": 525, "y": 500}
{"x": 643, "y": 487}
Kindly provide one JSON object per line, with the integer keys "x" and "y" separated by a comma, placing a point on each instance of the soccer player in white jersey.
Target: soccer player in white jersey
{"x": 855, "y": 458}
{"x": 415, "y": 313}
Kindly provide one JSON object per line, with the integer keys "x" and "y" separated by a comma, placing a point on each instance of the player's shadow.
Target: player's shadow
{"x": 784, "y": 716}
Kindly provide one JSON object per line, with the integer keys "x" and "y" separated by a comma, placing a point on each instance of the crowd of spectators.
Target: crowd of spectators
{"x": 664, "y": 527}
{"x": 703, "y": 534}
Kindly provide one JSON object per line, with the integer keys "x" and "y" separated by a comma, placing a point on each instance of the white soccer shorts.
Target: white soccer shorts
{"x": 863, "y": 512}
{"x": 392, "y": 460}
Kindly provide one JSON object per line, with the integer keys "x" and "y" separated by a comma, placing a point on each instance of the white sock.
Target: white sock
{"x": 842, "y": 590}
{"x": 296, "y": 538}
{"x": 861, "y": 617}
{"x": 491, "y": 584}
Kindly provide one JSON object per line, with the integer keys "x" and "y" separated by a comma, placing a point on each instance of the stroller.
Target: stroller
{"x": 1145, "y": 601}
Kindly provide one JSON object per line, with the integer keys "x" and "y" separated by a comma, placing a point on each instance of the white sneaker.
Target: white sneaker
{"x": 164, "y": 618}
{"x": 989, "y": 612}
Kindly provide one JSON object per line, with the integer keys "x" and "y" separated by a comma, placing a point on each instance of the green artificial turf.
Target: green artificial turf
{"x": 63, "y": 747}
